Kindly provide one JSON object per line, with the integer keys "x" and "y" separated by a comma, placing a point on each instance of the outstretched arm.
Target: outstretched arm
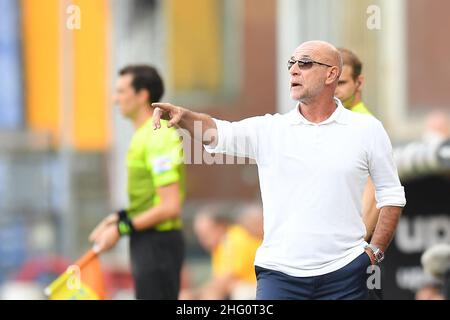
{"x": 188, "y": 120}
{"x": 239, "y": 138}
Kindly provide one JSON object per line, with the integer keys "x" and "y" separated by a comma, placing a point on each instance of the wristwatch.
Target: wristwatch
{"x": 379, "y": 255}
{"x": 124, "y": 224}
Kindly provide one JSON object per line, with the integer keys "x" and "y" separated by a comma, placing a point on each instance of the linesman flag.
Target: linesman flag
{"x": 82, "y": 281}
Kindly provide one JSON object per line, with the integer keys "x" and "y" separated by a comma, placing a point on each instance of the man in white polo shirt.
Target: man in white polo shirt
{"x": 313, "y": 164}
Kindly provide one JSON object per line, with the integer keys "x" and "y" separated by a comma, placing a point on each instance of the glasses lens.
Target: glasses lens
{"x": 290, "y": 63}
{"x": 305, "y": 64}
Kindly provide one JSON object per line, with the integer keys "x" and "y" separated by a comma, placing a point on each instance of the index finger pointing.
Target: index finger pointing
{"x": 162, "y": 105}
{"x": 156, "y": 118}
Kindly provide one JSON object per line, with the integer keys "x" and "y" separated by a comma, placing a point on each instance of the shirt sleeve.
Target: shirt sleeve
{"x": 382, "y": 169}
{"x": 240, "y": 138}
{"x": 164, "y": 157}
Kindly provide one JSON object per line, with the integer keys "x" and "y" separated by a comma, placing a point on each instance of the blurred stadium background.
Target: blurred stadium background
{"x": 63, "y": 143}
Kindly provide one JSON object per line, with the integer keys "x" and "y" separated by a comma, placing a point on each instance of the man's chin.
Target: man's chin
{"x": 300, "y": 97}
{"x": 296, "y": 97}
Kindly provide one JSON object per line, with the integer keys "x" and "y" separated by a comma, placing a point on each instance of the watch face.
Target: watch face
{"x": 380, "y": 256}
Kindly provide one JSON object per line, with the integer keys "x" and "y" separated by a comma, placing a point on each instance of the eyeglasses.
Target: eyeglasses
{"x": 304, "y": 64}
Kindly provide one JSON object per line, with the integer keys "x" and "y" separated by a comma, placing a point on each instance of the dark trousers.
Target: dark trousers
{"x": 156, "y": 260}
{"x": 349, "y": 283}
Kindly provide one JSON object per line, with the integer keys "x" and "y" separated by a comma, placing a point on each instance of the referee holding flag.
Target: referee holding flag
{"x": 156, "y": 188}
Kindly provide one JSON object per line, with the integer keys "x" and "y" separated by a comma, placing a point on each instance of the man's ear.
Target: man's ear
{"x": 360, "y": 82}
{"x": 144, "y": 96}
{"x": 333, "y": 75}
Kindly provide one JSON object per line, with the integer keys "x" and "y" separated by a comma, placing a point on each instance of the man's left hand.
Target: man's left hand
{"x": 371, "y": 256}
{"x": 107, "y": 238}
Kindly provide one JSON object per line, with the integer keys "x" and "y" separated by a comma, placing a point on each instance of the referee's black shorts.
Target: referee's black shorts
{"x": 156, "y": 260}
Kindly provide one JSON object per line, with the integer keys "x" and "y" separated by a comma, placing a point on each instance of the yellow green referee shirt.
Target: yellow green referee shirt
{"x": 154, "y": 159}
{"x": 360, "y": 108}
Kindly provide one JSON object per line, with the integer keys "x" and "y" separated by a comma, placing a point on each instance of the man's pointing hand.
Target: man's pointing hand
{"x": 168, "y": 112}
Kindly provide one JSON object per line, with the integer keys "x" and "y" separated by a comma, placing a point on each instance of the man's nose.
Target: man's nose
{"x": 294, "y": 70}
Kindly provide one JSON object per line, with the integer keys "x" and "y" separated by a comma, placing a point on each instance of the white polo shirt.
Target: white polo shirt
{"x": 312, "y": 177}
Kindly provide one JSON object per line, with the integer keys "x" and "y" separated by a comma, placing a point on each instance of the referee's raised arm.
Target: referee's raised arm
{"x": 186, "y": 119}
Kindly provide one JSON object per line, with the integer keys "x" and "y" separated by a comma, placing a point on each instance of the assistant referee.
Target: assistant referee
{"x": 156, "y": 189}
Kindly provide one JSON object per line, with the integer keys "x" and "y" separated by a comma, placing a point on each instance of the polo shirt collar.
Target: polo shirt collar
{"x": 338, "y": 116}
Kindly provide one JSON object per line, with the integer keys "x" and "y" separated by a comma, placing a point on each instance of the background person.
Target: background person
{"x": 232, "y": 247}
